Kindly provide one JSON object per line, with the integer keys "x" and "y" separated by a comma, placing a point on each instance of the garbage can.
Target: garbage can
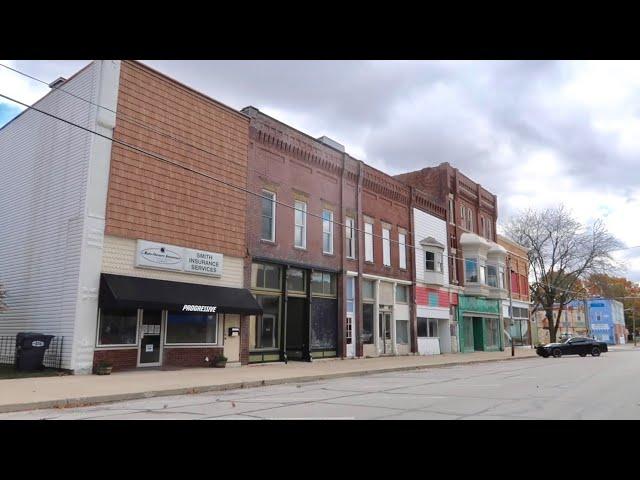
{"x": 30, "y": 348}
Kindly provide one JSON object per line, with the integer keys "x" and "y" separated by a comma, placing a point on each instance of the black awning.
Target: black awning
{"x": 119, "y": 291}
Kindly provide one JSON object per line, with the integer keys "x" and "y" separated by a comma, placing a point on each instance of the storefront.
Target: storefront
{"x": 518, "y": 326}
{"x": 144, "y": 322}
{"x": 300, "y": 313}
{"x": 479, "y": 324}
{"x": 385, "y": 316}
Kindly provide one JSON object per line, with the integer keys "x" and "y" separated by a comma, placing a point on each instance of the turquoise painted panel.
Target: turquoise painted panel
{"x": 480, "y": 305}
{"x": 433, "y": 299}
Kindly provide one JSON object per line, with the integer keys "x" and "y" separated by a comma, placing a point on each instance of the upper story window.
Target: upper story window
{"x": 466, "y": 217}
{"x": 386, "y": 247}
{"x": 492, "y": 276}
{"x": 264, "y": 275}
{"x": 268, "y": 231}
{"x": 327, "y": 231}
{"x": 300, "y": 234}
{"x": 452, "y": 211}
{"x": 501, "y": 281}
{"x": 349, "y": 232}
{"x": 368, "y": 242}
{"x": 486, "y": 227}
{"x": 470, "y": 270}
{"x": 402, "y": 250}
{"x": 433, "y": 261}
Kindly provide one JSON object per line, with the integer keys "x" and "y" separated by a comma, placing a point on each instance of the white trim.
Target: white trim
{"x": 273, "y": 216}
{"x": 349, "y": 273}
{"x": 386, "y": 247}
{"x": 303, "y": 225}
{"x": 136, "y": 344}
{"x": 330, "y": 232}
{"x": 368, "y": 276}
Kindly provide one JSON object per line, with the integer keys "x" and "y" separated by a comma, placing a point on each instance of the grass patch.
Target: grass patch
{"x": 9, "y": 371}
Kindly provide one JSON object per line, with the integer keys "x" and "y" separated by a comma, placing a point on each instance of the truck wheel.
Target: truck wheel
{"x": 557, "y": 352}
{"x": 595, "y": 352}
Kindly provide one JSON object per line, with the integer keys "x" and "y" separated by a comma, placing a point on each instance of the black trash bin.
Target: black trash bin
{"x": 30, "y": 348}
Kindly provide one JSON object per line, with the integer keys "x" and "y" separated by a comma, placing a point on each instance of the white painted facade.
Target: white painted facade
{"x": 428, "y": 226}
{"x": 53, "y": 189}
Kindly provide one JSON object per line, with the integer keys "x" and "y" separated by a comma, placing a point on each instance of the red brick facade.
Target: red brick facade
{"x": 445, "y": 182}
{"x": 127, "y": 359}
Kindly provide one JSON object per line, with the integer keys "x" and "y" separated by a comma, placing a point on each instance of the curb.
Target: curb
{"x": 100, "y": 399}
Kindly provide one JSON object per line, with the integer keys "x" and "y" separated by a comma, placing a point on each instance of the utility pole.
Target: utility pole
{"x": 633, "y": 313}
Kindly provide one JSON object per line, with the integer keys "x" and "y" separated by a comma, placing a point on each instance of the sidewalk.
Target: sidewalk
{"x": 82, "y": 390}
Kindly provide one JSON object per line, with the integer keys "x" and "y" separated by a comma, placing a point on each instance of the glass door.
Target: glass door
{"x": 150, "y": 338}
{"x": 384, "y": 332}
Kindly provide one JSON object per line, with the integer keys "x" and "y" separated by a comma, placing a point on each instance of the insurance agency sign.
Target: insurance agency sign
{"x": 178, "y": 259}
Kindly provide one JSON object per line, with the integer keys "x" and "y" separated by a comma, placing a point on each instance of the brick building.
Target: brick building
{"x": 140, "y": 262}
{"x": 327, "y": 255}
{"x": 476, "y": 263}
{"x": 517, "y": 325}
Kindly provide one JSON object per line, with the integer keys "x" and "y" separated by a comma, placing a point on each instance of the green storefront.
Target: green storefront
{"x": 480, "y": 324}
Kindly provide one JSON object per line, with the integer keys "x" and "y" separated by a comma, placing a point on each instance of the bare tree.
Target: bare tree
{"x": 562, "y": 254}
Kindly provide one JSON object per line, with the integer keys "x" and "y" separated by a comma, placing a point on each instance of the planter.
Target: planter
{"x": 220, "y": 364}
{"x": 104, "y": 370}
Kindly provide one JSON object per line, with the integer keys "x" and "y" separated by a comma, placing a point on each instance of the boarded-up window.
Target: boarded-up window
{"x": 386, "y": 293}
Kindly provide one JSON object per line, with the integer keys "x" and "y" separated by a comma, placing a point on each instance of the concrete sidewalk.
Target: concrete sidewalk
{"x": 82, "y": 390}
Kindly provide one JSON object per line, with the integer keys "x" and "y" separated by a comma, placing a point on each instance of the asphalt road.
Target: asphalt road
{"x": 606, "y": 387}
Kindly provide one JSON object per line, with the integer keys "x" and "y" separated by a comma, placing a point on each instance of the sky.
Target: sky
{"x": 535, "y": 133}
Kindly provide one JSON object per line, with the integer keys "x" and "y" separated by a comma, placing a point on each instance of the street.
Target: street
{"x": 536, "y": 388}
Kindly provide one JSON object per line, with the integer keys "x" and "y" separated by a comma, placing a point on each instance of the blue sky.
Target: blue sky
{"x": 7, "y": 112}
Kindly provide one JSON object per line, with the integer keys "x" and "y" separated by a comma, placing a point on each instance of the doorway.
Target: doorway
{"x": 351, "y": 344}
{"x": 150, "y": 350}
{"x": 384, "y": 333}
{"x": 297, "y": 346}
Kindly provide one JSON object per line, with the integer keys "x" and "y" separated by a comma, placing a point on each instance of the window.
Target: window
{"x": 423, "y": 330}
{"x": 268, "y": 216}
{"x": 501, "y": 277}
{"x": 350, "y": 294}
{"x": 433, "y": 327}
{"x": 367, "y": 290}
{"x": 327, "y": 231}
{"x": 467, "y": 217}
{"x": 266, "y": 334}
{"x": 452, "y": 216}
{"x": 492, "y": 276}
{"x": 402, "y": 250}
{"x": 386, "y": 248}
{"x": 188, "y": 327}
{"x": 470, "y": 270}
{"x": 432, "y": 261}
{"x": 350, "y": 237}
{"x": 368, "y": 242}
{"x": 367, "y": 323}
{"x": 296, "y": 280}
{"x": 402, "y": 332}
{"x": 265, "y": 276}
{"x": 118, "y": 327}
{"x": 402, "y": 295}
{"x": 323, "y": 283}
{"x": 300, "y": 234}
{"x": 492, "y": 332}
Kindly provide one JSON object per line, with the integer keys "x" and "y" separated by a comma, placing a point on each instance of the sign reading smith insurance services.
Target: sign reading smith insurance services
{"x": 178, "y": 259}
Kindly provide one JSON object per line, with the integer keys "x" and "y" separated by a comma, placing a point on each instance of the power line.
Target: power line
{"x": 245, "y": 190}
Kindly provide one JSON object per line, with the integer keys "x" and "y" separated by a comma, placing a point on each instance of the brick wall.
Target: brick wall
{"x": 189, "y": 357}
{"x": 123, "y": 359}
{"x": 150, "y": 199}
